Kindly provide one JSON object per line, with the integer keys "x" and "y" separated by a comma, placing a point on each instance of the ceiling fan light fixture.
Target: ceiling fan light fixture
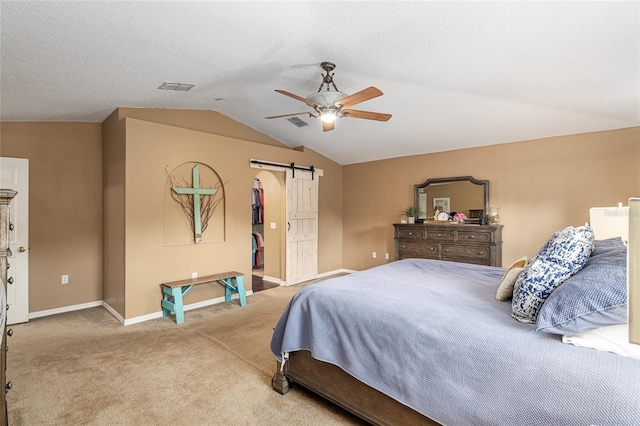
{"x": 330, "y": 104}
{"x": 328, "y": 116}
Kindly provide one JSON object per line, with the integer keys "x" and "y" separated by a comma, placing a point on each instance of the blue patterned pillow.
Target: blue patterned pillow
{"x": 594, "y": 297}
{"x": 564, "y": 254}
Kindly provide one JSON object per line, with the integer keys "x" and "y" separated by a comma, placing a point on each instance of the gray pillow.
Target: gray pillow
{"x": 594, "y": 297}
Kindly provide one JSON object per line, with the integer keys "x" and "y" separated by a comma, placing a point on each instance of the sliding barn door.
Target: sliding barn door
{"x": 302, "y": 226}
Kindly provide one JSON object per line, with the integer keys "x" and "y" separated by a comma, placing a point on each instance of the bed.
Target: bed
{"x": 423, "y": 341}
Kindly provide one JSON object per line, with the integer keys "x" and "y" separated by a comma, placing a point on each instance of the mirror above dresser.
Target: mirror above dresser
{"x": 471, "y": 241}
{"x": 462, "y": 194}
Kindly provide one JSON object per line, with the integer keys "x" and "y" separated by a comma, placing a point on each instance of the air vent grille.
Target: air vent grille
{"x": 297, "y": 121}
{"x": 180, "y": 87}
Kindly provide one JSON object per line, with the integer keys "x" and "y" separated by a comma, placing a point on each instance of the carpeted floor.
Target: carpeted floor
{"x": 85, "y": 368}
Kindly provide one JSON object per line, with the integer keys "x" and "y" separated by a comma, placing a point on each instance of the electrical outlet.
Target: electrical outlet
{"x": 386, "y": 256}
{"x": 65, "y": 279}
{"x": 273, "y": 225}
{"x": 374, "y": 255}
{"x": 194, "y": 275}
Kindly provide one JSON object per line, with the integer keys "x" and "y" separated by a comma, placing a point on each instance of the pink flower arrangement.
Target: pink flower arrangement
{"x": 459, "y": 217}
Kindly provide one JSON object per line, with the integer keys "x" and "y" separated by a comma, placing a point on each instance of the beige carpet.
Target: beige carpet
{"x": 84, "y": 367}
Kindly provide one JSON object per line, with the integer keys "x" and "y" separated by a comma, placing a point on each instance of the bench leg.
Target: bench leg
{"x": 228, "y": 285}
{"x": 242, "y": 295}
{"x": 229, "y": 288}
{"x": 177, "y": 301}
{"x": 167, "y": 304}
{"x": 172, "y": 302}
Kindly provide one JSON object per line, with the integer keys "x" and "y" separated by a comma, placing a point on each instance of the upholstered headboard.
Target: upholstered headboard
{"x": 609, "y": 222}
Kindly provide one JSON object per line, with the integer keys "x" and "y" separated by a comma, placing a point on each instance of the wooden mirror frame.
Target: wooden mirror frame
{"x": 440, "y": 181}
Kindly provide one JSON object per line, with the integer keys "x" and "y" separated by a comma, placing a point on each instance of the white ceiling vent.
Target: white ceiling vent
{"x": 297, "y": 121}
{"x": 180, "y": 87}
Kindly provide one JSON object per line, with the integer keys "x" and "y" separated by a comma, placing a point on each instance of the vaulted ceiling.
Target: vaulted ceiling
{"x": 454, "y": 74}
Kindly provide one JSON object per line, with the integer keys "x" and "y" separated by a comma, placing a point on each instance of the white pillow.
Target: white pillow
{"x": 614, "y": 338}
{"x": 505, "y": 291}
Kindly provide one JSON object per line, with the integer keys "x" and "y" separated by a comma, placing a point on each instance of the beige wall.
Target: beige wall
{"x": 204, "y": 121}
{"x": 540, "y": 186}
{"x": 150, "y": 149}
{"x": 65, "y": 216}
{"x": 113, "y": 196}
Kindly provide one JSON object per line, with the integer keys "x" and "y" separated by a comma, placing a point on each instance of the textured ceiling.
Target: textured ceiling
{"x": 454, "y": 74}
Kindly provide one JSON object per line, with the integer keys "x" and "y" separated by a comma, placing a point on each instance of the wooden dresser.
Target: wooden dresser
{"x": 6, "y": 195}
{"x": 479, "y": 244}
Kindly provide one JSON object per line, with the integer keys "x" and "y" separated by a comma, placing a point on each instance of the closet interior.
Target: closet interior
{"x": 257, "y": 231}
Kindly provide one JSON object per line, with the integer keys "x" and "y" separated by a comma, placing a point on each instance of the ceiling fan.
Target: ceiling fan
{"x": 332, "y": 104}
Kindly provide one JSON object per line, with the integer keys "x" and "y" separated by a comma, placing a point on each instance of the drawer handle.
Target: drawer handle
{"x": 472, "y": 236}
{"x": 432, "y": 249}
{"x": 410, "y": 233}
{"x": 404, "y": 246}
{"x": 481, "y": 252}
{"x": 7, "y": 387}
{"x": 447, "y": 250}
{"x": 439, "y": 235}
{"x": 10, "y": 332}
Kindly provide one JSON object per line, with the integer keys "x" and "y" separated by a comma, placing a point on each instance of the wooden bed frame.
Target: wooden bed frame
{"x": 339, "y": 387}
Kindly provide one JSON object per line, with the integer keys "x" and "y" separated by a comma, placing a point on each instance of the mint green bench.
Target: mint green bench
{"x": 174, "y": 291}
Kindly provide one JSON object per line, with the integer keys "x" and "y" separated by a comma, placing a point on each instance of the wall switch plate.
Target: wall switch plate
{"x": 194, "y": 275}
{"x": 374, "y": 255}
{"x": 65, "y": 279}
{"x": 272, "y": 225}
{"x": 386, "y": 256}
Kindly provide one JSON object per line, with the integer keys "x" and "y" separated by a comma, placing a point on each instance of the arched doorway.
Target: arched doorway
{"x": 269, "y": 263}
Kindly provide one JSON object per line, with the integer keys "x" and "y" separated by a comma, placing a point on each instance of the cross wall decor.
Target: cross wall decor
{"x": 196, "y": 192}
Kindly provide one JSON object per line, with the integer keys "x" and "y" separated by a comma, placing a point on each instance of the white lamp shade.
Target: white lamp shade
{"x": 326, "y": 99}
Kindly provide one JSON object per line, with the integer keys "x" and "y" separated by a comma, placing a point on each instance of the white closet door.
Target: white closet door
{"x": 14, "y": 174}
{"x": 302, "y": 226}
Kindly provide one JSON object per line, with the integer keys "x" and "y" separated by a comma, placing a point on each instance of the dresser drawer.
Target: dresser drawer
{"x": 466, "y": 252}
{"x": 422, "y": 249}
{"x": 481, "y": 237}
{"x": 441, "y": 235}
{"x": 410, "y": 234}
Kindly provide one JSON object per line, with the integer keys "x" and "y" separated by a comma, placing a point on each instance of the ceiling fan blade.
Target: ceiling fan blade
{"x": 289, "y": 115}
{"x": 379, "y": 116}
{"x": 326, "y": 127}
{"x": 361, "y": 96}
{"x": 300, "y": 98}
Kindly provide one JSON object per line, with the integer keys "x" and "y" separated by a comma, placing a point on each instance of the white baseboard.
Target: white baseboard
{"x": 113, "y": 312}
{"x": 272, "y": 280}
{"x": 119, "y": 317}
{"x": 47, "y": 312}
{"x": 336, "y": 271}
{"x": 325, "y": 274}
